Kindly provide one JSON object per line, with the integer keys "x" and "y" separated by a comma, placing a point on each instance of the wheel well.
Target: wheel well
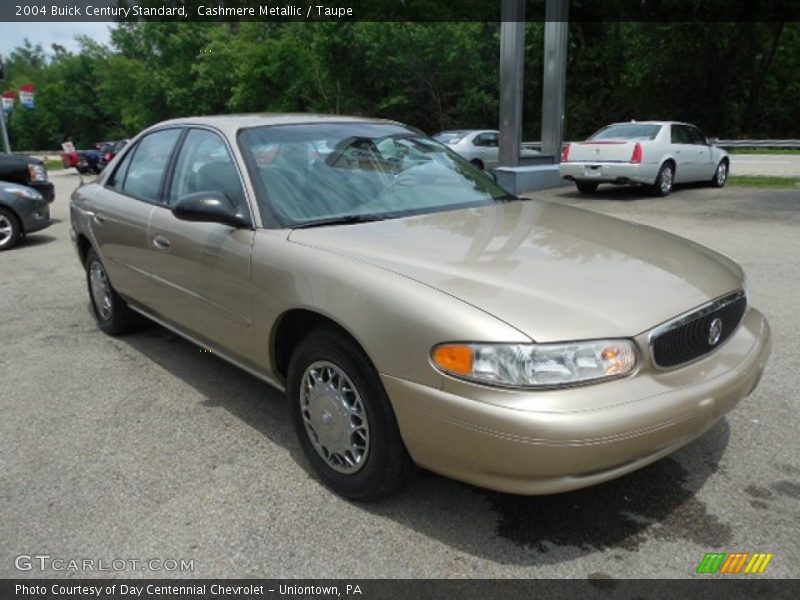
{"x": 726, "y": 160}
{"x": 477, "y": 162}
{"x": 293, "y": 326}
{"x": 84, "y": 245}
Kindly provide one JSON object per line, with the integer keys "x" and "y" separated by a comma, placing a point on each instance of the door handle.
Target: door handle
{"x": 160, "y": 242}
{"x": 98, "y": 218}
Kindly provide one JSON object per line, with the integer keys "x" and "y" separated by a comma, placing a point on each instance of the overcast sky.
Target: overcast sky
{"x": 13, "y": 34}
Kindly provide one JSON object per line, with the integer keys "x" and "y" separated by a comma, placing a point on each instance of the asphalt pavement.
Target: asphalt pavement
{"x": 145, "y": 447}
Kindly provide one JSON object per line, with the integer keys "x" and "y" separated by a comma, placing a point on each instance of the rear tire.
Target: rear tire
{"x": 586, "y": 187}
{"x": 10, "y": 229}
{"x": 721, "y": 174}
{"x": 112, "y": 313}
{"x": 343, "y": 418}
{"x": 476, "y": 163}
{"x": 664, "y": 182}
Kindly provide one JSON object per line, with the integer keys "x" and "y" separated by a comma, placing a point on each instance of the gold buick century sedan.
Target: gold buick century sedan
{"x": 415, "y": 312}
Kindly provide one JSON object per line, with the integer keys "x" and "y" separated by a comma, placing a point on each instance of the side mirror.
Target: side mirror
{"x": 713, "y": 141}
{"x": 209, "y": 207}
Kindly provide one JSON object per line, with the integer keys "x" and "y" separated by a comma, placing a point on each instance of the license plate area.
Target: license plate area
{"x": 593, "y": 170}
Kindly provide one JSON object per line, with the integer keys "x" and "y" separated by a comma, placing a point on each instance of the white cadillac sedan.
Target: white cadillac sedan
{"x": 657, "y": 154}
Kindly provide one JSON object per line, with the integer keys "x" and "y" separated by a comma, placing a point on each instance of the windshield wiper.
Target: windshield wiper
{"x": 340, "y": 220}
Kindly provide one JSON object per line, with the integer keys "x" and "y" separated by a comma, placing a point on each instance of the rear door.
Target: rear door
{"x": 203, "y": 269}
{"x": 121, "y": 214}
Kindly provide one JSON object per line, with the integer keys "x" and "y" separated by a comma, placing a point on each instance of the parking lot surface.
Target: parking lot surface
{"x": 147, "y": 447}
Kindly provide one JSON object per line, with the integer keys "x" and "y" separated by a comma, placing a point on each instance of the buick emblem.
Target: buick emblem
{"x": 714, "y": 331}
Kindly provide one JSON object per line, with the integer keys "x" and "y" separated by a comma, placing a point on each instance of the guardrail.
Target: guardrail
{"x": 759, "y": 143}
{"x": 723, "y": 143}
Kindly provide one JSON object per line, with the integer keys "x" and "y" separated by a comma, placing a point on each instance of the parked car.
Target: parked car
{"x": 657, "y": 154}
{"x": 85, "y": 161}
{"x": 414, "y": 311}
{"x": 27, "y": 171}
{"x": 108, "y": 150}
{"x": 23, "y": 210}
{"x": 481, "y": 147}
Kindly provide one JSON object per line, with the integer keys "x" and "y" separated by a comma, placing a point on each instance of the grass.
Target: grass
{"x": 763, "y": 150}
{"x": 763, "y": 181}
{"x": 53, "y": 165}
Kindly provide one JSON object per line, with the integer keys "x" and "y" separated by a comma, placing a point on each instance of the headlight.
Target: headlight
{"x": 37, "y": 172}
{"x": 22, "y": 192}
{"x": 537, "y": 365}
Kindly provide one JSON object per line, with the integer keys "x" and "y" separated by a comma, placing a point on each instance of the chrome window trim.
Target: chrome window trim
{"x": 692, "y": 315}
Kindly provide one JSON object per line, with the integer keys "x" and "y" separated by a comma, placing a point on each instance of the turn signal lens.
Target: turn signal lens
{"x": 453, "y": 358}
{"x": 565, "y": 153}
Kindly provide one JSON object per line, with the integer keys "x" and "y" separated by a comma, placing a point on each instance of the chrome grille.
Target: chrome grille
{"x": 690, "y": 336}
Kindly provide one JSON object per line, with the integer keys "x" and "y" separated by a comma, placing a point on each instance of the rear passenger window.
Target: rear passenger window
{"x": 205, "y": 165}
{"x": 680, "y": 135}
{"x": 118, "y": 178}
{"x": 150, "y": 158}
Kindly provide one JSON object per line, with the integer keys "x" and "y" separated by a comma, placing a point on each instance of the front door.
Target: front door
{"x": 203, "y": 269}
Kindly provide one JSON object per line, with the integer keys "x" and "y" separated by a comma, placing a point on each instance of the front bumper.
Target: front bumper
{"x": 45, "y": 188}
{"x": 551, "y": 441}
{"x": 608, "y": 172}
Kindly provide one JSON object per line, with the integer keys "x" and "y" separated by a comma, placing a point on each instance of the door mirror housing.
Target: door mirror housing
{"x": 209, "y": 207}
{"x": 713, "y": 141}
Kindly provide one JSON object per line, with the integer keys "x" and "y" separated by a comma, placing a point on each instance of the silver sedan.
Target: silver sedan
{"x": 657, "y": 154}
{"x": 478, "y": 146}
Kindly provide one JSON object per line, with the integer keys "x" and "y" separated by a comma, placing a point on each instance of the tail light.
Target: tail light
{"x": 565, "y": 153}
{"x": 109, "y": 156}
{"x": 636, "y": 157}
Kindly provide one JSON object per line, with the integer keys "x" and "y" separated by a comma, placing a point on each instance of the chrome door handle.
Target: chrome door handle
{"x": 98, "y": 218}
{"x": 160, "y": 242}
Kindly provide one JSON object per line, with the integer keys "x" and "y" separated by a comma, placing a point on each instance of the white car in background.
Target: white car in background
{"x": 481, "y": 147}
{"x": 657, "y": 154}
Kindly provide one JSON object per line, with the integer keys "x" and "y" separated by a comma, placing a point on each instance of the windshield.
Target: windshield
{"x": 327, "y": 171}
{"x": 628, "y": 131}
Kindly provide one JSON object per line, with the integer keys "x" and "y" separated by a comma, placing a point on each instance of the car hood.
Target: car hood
{"x": 551, "y": 271}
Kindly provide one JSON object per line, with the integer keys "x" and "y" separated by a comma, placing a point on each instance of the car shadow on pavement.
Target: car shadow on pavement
{"x": 657, "y": 502}
{"x": 31, "y": 240}
{"x": 629, "y": 193}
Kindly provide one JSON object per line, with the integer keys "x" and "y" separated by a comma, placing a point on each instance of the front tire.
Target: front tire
{"x": 720, "y": 175}
{"x": 665, "y": 180}
{"x": 10, "y": 229}
{"x": 586, "y": 187}
{"x": 343, "y": 418}
{"x": 112, "y": 313}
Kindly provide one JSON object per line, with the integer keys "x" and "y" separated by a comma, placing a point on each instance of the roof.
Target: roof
{"x": 232, "y": 123}
{"x": 650, "y": 123}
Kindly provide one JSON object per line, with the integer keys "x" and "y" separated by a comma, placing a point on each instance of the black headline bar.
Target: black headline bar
{"x": 217, "y": 11}
{"x": 702, "y": 587}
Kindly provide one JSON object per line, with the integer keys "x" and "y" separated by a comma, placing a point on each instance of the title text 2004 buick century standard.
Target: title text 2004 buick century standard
{"x": 414, "y": 311}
